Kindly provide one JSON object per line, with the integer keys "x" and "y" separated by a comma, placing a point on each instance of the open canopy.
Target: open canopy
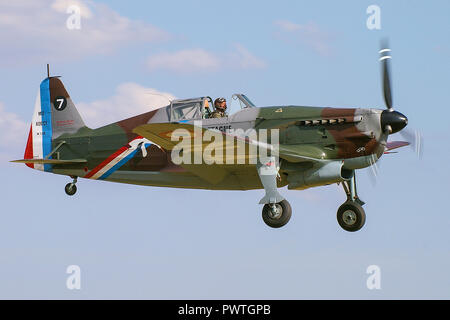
{"x": 199, "y": 108}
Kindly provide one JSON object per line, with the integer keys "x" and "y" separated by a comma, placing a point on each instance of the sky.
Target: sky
{"x": 134, "y": 242}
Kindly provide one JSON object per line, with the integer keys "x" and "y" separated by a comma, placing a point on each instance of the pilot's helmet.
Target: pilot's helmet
{"x": 218, "y": 104}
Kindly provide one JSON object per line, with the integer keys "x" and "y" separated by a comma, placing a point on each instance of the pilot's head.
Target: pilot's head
{"x": 220, "y": 104}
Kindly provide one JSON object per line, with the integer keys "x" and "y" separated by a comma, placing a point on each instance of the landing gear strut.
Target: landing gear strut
{"x": 276, "y": 211}
{"x": 350, "y": 215}
{"x": 71, "y": 188}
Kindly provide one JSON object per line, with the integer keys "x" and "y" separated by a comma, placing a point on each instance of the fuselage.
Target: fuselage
{"x": 114, "y": 153}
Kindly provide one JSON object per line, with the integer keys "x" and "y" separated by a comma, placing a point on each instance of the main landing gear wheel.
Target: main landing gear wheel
{"x": 276, "y": 215}
{"x": 71, "y": 188}
{"x": 351, "y": 216}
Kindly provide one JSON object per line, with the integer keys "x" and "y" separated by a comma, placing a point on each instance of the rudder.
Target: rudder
{"x": 64, "y": 115}
{"x": 54, "y": 115}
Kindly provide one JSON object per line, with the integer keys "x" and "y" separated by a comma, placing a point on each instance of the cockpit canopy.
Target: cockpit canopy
{"x": 188, "y": 109}
{"x": 200, "y": 108}
{"x": 244, "y": 101}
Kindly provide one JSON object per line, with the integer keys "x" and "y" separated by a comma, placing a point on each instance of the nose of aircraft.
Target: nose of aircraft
{"x": 396, "y": 120}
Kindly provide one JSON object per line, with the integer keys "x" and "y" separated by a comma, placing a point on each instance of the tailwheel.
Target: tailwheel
{"x": 71, "y": 188}
{"x": 351, "y": 216}
{"x": 276, "y": 215}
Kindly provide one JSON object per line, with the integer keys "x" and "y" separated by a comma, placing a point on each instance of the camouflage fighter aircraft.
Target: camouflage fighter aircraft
{"x": 317, "y": 146}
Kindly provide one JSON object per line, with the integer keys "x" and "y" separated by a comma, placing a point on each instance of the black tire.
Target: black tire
{"x": 70, "y": 189}
{"x": 282, "y": 219}
{"x": 351, "y": 216}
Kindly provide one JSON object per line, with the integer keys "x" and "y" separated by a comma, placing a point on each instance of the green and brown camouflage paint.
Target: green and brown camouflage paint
{"x": 325, "y": 141}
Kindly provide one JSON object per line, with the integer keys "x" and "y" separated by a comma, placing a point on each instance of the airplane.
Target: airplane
{"x": 316, "y": 146}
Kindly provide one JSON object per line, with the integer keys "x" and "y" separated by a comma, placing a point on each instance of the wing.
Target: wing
{"x": 163, "y": 133}
{"x": 50, "y": 161}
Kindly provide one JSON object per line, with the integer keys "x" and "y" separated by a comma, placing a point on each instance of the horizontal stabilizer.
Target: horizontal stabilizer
{"x": 50, "y": 161}
{"x": 396, "y": 144}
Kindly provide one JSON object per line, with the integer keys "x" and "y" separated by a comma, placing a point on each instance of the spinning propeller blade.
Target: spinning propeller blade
{"x": 385, "y": 56}
{"x": 415, "y": 139}
{"x": 391, "y": 121}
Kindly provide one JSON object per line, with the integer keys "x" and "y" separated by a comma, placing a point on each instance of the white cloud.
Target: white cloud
{"x": 36, "y": 31}
{"x": 13, "y": 135}
{"x": 200, "y": 60}
{"x": 62, "y": 5}
{"x": 184, "y": 61}
{"x": 309, "y": 34}
{"x": 243, "y": 59}
{"x": 12, "y": 128}
{"x": 130, "y": 99}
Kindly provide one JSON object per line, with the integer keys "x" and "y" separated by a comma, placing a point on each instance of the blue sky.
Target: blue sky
{"x": 145, "y": 242}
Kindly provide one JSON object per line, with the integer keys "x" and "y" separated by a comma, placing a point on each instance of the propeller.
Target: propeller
{"x": 374, "y": 169}
{"x": 392, "y": 121}
{"x": 385, "y": 56}
{"x": 415, "y": 139}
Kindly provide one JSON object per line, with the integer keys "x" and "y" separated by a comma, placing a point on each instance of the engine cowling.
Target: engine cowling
{"x": 331, "y": 172}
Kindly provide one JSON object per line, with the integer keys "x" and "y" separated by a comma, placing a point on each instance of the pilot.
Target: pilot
{"x": 220, "y": 104}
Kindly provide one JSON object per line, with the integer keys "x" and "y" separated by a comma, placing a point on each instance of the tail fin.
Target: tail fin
{"x": 54, "y": 115}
